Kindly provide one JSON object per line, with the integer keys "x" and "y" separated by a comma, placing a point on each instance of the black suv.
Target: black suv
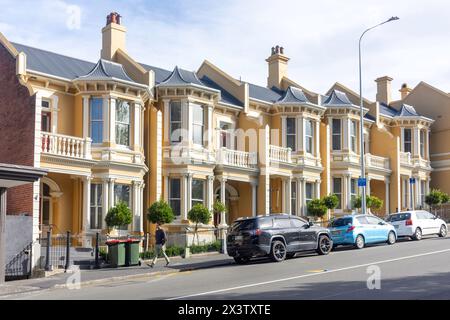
{"x": 276, "y": 236}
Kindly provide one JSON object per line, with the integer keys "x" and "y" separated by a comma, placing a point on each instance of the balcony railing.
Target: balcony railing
{"x": 420, "y": 162}
{"x": 66, "y": 146}
{"x": 280, "y": 154}
{"x": 307, "y": 160}
{"x": 235, "y": 158}
{"x": 377, "y": 161}
{"x": 337, "y": 156}
{"x": 405, "y": 158}
{"x": 180, "y": 154}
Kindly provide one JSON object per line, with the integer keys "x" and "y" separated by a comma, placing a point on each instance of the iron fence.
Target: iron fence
{"x": 443, "y": 212}
{"x": 20, "y": 267}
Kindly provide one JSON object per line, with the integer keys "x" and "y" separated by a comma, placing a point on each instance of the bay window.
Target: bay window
{"x": 353, "y": 135}
{"x": 198, "y": 191}
{"x": 290, "y": 133}
{"x": 337, "y": 190}
{"x": 175, "y": 196}
{"x": 198, "y": 124}
{"x": 309, "y": 136}
{"x": 336, "y": 134}
{"x": 96, "y": 120}
{"x": 123, "y": 123}
{"x": 96, "y": 206}
{"x": 175, "y": 121}
{"x": 407, "y": 140}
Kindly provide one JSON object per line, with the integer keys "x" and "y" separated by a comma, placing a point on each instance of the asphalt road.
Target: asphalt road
{"x": 407, "y": 270}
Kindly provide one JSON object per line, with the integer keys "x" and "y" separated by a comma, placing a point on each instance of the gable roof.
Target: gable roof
{"x": 107, "y": 70}
{"x": 54, "y": 64}
{"x": 293, "y": 96}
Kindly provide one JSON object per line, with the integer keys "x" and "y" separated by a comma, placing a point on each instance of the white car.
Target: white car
{"x": 416, "y": 224}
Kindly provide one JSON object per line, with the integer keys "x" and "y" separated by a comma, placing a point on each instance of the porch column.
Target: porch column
{"x": 86, "y": 204}
{"x": 111, "y": 193}
{"x": 223, "y": 182}
{"x": 184, "y": 196}
{"x": 166, "y": 189}
{"x": 303, "y": 196}
{"x": 288, "y": 195}
{"x": 317, "y": 187}
{"x": 105, "y": 204}
{"x": 387, "y": 204}
{"x": 140, "y": 207}
{"x": 368, "y": 186}
{"x": 299, "y": 197}
{"x": 347, "y": 190}
{"x": 254, "y": 192}
{"x": 189, "y": 193}
{"x": 134, "y": 205}
{"x": 209, "y": 192}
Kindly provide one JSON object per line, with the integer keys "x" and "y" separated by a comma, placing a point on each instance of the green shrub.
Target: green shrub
{"x": 160, "y": 212}
{"x": 331, "y": 201}
{"x": 199, "y": 214}
{"x": 317, "y": 208}
{"x": 119, "y": 216}
{"x": 174, "y": 251}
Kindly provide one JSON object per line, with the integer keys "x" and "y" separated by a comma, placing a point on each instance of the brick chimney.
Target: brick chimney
{"x": 404, "y": 90}
{"x": 113, "y": 36}
{"x": 384, "y": 89}
{"x": 277, "y": 67}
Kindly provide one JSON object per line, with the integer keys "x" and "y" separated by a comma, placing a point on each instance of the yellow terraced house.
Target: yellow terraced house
{"x": 119, "y": 130}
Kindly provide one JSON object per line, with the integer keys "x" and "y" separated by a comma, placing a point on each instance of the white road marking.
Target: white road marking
{"x": 308, "y": 275}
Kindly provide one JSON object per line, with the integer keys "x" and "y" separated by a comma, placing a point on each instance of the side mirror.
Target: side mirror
{"x": 310, "y": 224}
{"x": 381, "y": 223}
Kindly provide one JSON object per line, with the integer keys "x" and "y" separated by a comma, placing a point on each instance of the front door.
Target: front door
{"x": 45, "y": 210}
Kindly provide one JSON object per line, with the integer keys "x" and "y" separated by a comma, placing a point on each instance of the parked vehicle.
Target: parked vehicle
{"x": 276, "y": 236}
{"x": 418, "y": 223}
{"x": 359, "y": 230}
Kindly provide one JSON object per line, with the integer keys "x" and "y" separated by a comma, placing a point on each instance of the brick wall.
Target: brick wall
{"x": 17, "y": 112}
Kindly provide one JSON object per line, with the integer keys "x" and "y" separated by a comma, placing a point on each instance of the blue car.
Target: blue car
{"x": 359, "y": 230}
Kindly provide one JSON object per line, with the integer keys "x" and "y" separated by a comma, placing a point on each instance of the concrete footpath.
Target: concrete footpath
{"x": 106, "y": 275}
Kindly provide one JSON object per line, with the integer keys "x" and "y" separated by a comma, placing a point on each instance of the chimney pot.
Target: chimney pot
{"x": 281, "y": 50}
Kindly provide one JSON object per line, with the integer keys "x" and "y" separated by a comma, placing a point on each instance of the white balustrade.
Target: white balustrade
{"x": 66, "y": 146}
{"x": 377, "y": 161}
{"x": 405, "y": 158}
{"x": 236, "y": 158}
{"x": 280, "y": 154}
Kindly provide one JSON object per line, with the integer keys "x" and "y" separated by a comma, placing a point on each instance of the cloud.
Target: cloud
{"x": 320, "y": 37}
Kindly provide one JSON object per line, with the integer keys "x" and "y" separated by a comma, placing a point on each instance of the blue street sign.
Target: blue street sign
{"x": 412, "y": 180}
{"x": 362, "y": 182}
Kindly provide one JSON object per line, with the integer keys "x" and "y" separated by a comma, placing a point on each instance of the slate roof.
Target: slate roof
{"x": 337, "y": 98}
{"x": 180, "y": 77}
{"x": 160, "y": 74}
{"x": 226, "y": 97}
{"x": 263, "y": 93}
{"x": 54, "y": 64}
{"x": 404, "y": 111}
{"x": 107, "y": 70}
{"x": 293, "y": 96}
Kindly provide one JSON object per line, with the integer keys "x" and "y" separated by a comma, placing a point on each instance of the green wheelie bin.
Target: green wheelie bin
{"x": 132, "y": 252}
{"x": 116, "y": 253}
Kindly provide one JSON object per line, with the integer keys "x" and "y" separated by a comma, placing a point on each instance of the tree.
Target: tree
{"x": 372, "y": 202}
{"x": 331, "y": 201}
{"x": 119, "y": 216}
{"x": 219, "y": 208}
{"x": 317, "y": 208}
{"x": 199, "y": 214}
{"x": 436, "y": 198}
{"x": 160, "y": 212}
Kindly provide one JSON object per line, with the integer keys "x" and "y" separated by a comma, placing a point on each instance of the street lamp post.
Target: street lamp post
{"x": 361, "y": 122}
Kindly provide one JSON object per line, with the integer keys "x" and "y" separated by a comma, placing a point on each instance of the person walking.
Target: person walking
{"x": 161, "y": 239}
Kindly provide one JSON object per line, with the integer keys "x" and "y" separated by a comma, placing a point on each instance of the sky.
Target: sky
{"x": 320, "y": 37}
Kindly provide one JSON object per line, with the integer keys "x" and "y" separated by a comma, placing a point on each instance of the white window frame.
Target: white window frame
{"x": 354, "y": 191}
{"x": 339, "y": 134}
{"x": 353, "y": 135}
{"x": 308, "y": 199}
{"x": 97, "y": 219}
{"x": 198, "y": 124}
{"x": 339, "y": 194}
{"x": 422, "y": 137}
{"x": 291, "y": 134}
{"x": 96, "y": 120}
{"x": 196, "y": 200}
{"x": 173, "y": 139}
{"x": 294, "y": 197}
{"x": 172, "y": 198}
{"x": 309, "y": 138}
{"x": 410, "y": 142}
{"x": 122, "y": 123}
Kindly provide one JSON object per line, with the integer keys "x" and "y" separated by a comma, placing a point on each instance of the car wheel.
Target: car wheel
{"x": 443, "y": 231}
{"x": 241, "y": 260}
{"x": 324, "y": 245}
{"x": 417, "y": 234}
{"x": 391, "y": 238}
{"x": 360, "y": 242}
{"x": 278, "y": 251}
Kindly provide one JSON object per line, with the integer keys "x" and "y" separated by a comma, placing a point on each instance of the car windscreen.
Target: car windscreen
{"x": 341, "y": 222}
{"x": 244, "y": 225}
{"x": 399, "y": 217}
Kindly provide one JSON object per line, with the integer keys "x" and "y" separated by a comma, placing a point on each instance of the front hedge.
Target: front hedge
{"x": 173, "y": 251}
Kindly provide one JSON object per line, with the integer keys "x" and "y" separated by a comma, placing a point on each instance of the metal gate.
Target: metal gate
{"x": 21, "y": 265}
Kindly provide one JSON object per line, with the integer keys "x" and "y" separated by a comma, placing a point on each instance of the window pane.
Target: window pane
{"x": 122, "y": 111}
{"x": 97, "y": 132}
{"x": 336, "y": 142}
{"x": 337, "y": 126}
{"x": 309, "y": 190}
{"x": 337, "y": 185}
{"x": 197, "y": 114}
{"x": 197, "y": 190}
{"x": 175, "y": 111}
{"x": 308, "y": 127}
{"x": 123, "y": 134}
{"x": 308, "y": 146}
{"x": 175, "y": 205}
{"x": 175, "y": 188}
{"x": 175, "y": 132}
{"x": 290, "y": 142}
{"x": 96, "y": 109}
{"x": 290, "y": 125}
{"x": 45, "y": 104}
{"x": 122, "y": 193}
{"x": 96, "y": 115}
{"x": 197, "y": 134}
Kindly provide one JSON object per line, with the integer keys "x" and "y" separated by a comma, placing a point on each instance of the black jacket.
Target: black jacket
{"x": 160, "y": 236}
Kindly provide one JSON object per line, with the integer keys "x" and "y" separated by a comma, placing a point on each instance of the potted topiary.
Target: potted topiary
{"x": 331, "y": 202}
{"x": 317, "y": 208}
{"x": 118, "y": 217}
{"x": 220, "y": 210}
{"x": 160, "y": 212}
{"x": 199, "y": 214}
